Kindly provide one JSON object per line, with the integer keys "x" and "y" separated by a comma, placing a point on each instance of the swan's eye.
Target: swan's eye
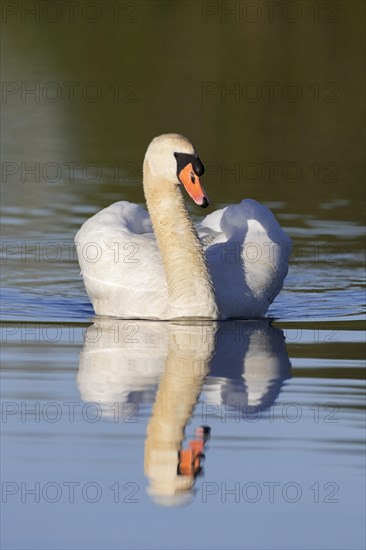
{"x": 183, "y": 159}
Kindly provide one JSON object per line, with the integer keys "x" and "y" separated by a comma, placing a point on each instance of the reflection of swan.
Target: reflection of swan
{"x": 140, "y": 266}
{"x": 123, "y": 361}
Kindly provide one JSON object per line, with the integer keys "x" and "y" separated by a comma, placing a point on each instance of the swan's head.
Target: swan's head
{"x": 172, "y": 158}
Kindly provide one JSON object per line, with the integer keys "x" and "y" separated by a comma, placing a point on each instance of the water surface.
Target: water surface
{"x": 95, "y": 410}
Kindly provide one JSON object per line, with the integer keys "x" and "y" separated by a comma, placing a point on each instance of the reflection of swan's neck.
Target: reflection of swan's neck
{"x": 186, "y": 366}
{"x": 189, "y": 283}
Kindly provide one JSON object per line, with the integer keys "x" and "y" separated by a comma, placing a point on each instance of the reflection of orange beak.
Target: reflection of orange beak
{"x": 190, "y": 459}
{"x": 193, "y": 186}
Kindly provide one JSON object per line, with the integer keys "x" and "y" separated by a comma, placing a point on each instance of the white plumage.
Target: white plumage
{"x": 127, "y": 263}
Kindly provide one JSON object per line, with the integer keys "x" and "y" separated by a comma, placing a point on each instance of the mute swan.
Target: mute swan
{"x": 160, "y": 266}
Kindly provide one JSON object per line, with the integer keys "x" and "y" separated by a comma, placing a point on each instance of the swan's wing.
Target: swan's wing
{"x": 247, "y": 252}
{"x": 209, "y": 229}
{"x": 120, "y": 262}
{"x": 266, "y": 252}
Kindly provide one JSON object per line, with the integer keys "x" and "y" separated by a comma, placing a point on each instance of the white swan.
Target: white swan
{"x": 160, "y": 266}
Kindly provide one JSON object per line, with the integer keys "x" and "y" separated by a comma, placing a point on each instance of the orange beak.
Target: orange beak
{"x": 193, "y": 186}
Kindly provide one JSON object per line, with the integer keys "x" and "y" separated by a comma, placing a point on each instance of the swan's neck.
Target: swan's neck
{"x": 189, "y": 284}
